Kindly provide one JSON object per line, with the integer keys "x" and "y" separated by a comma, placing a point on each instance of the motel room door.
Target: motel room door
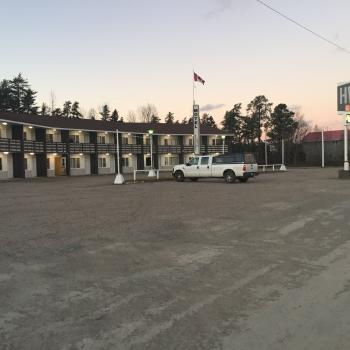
{"x": 60, "y": 166}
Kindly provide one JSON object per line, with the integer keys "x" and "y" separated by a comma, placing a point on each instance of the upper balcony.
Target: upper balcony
{"x": 8, "y": 145}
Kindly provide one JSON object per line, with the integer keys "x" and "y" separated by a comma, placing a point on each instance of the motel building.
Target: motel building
{"x": 45, "y": 146}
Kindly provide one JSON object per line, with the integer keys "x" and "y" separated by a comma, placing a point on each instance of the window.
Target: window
{"x": 101, "y": 139}
{"x": 1, "y": 164}
{"x": 49, "y": 138}
{"x": 74, "y": 138}
{"x": 125, "y": 162}
{"x": 75, "y": 163}
{"x": 194, "y": 161}
{"x": 166, "y": 142}
{"x": 170, "y": 160}
{"x": 25, "y": 164}
{"x": 125, "y": 141}
{"x": 147, "y": 141}
{"x": 216, "y": 142}
{"x": 204, "y": 160}
{"x": 102, "y": 162}
{"x": 48, "y": 163}
{"x": 24, "y": 135}
{"x": 148, "y": 161}
{"x": 190, "y": 142}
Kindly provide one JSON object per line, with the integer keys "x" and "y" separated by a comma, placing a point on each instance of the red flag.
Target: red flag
{"x": 196, "y": 77}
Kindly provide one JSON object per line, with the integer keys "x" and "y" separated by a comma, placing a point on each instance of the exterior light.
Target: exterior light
{"x": 168, "y": 135}
{"x": 31, "y": 153}
{"x": 107, "y": 154}
{"x": 80, "y": 154}
{"x": 216, "y": 135}
{"x": 130, "y": 154}
{"x": 6, "y": 153}
{"x": 223, "y": 137}
{"x": 79, "y": 131}
{"x": 106, "y": 133}
{"x": 169, "y": 154}
{"x": 4, "y": 123}
{"x": 150, "y": 132}
{"x": 30, "y": 127}
{"x": 129, "y": 134}
{"x": 55, "y": 154}
{"x": 54, "y": 130}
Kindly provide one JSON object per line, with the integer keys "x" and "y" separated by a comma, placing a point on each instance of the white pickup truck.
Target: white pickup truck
{"x": 234, "y": 166}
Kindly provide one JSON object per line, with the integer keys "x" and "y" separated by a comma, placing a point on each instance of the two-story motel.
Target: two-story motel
{"x": 33, "y": 145}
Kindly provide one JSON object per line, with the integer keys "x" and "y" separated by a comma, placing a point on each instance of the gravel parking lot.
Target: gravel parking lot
{"x": 207, "y": 265}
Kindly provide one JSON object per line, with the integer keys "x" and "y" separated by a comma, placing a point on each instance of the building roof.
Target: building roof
{"x": 99, "y": 125}
{"x": 316, "y": 136}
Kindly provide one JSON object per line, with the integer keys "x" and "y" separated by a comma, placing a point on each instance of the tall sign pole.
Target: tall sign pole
{"x": 343, "y": 107}
{"x": 196, "y": 130}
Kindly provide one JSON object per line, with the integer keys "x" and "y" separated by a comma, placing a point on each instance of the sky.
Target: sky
{"x": 130, "y": 53}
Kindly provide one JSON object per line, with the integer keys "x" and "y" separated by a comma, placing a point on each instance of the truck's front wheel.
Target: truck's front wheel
{"x": 179, "y": 176}
{"x": 229, "y": 176}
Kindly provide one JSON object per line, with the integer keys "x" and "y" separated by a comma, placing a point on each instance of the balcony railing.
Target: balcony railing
{"x": 106, "y": 148}
{"x": 188, "y": 149}
{"x": 217, "y": 149}
{"x": 8, "y": 145}
{"x": 133, "y": 149}
{"x": 169, "y": 149}
{"x": 56, "y": 147}
{"x": 81, "y": 148}
{"x": 33, "y": 146}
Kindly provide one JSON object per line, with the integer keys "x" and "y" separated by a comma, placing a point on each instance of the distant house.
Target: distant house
{"x": 334, "y": 147}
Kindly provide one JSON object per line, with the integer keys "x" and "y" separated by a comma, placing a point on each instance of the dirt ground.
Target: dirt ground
{"x": 88, "y": 265}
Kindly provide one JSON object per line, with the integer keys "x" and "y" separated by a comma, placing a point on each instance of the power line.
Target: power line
{"x": 304, "y": 27}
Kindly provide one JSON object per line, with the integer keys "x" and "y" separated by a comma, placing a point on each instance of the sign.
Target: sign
{"x": 347, "y": 118}
{"x": 196, "y": 130}
{"x": 343, "y": 97}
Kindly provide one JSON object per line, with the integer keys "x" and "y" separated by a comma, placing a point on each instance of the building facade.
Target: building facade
{"x": 32, "y": 145}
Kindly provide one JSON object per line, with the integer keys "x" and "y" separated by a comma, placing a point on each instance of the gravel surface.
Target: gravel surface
{"x": 85, "y": 265}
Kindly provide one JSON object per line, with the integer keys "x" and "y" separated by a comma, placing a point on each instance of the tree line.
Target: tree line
{"x": 247, "y": 126}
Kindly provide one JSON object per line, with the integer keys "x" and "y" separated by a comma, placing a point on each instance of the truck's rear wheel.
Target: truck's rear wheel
{"x": 243, "y": 179}
{"x": 229, "y": 176}
{"x": 179, "y": 176}
{"x": 194, "y": 178}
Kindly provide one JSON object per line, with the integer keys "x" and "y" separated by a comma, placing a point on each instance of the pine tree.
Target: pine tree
{"x": 259, "y": 110}
{"x": 232, "y": 122}
{"x": 114, "y": 116}
{"x": 105, "y": 113}
{"x": 208, "y": 120}
{"x": 57, "y": 112}
{"x": 169, "y": 119}
{"x": 5, "y": 96}
{"x": 155, "y": 119}
{"x": 18, "y": 86}
{"x": 28, "y": 102}
{"x": 67, "y": 107}
{"x": 75, "y": 113}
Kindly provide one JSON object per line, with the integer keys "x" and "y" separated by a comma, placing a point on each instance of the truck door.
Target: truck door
{"x": 191, "y": 168}
{"x": 204, "y": 168}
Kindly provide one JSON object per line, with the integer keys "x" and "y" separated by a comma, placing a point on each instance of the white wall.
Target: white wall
{"x": 7, "y": 166}
{"x": 84, "y": 165}
{"x": 30, "y": 132}
{"x": 132, "y": 163}
{"x": 5, "y": 131}
{"x": 56, "y": 134}
{"x": 187, "y": 139}
{"x": 162, "y": 160}
{"x": 172, "y": 140}
{"x": 83, "y": 136}
{"x": 31, "y": 165}
{"x": 109, "y": 164}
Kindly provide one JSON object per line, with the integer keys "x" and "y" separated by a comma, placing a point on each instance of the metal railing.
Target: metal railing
{"x": 81, "y": 148}
{"x": 9, "y": 145}
{"x": 56, "y": 147}
{"x": 273, "y": 167}
{"x": 33, "y": 146}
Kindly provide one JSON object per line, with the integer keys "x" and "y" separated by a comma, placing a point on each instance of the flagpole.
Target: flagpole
{"x": 193, "y": 86}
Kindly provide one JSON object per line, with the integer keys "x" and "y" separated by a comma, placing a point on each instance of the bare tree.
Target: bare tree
{"x": 92, "y": 114}
{"x": 147, "y": 113}
{"x": 302, "y": 129}
{"x": 131, "y": 117}
{"x": 52, "y": 100}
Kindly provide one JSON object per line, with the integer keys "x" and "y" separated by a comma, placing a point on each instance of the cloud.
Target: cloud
{"x": 211, "y": 107}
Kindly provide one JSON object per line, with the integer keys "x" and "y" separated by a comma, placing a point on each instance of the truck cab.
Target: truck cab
{"x": 231, "y": 167}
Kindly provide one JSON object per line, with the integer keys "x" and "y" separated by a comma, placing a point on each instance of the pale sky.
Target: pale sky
{"x": 129, "y": 53}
